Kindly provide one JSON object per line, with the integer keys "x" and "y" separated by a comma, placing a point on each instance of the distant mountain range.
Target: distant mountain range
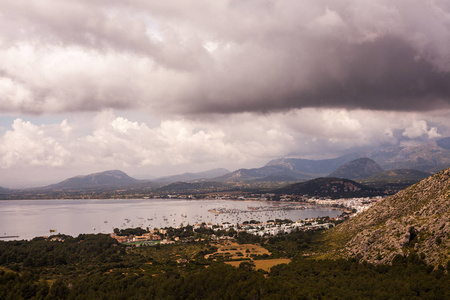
{"x": 186, "y": 177}
{"x": 403, "y": 165}
{"x": 119, "y": 179}
{"x": 429, "y": 157}
{"x": 267, "y": 173}
{"x": 307, "y": 166}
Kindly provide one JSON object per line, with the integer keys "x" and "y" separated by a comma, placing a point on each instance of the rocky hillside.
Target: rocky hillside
{"x": 320, "y": 167}
{"x": 357, "y": 169}
{"x": 415, "y": 219}
{"x": 428, "y": 157}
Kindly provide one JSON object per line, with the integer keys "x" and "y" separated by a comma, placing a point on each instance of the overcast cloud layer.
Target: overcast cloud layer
{"x": 223, "y": 83}
{"x": 223, "y": 56}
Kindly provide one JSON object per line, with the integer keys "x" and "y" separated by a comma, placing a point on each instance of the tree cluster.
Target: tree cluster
{"x": 96, "y": 267}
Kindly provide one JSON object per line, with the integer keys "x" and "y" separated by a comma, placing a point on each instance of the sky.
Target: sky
{"x": 155, "y": 88}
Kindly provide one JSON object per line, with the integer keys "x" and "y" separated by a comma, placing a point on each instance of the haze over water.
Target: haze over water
{"x": 30, "y": 218}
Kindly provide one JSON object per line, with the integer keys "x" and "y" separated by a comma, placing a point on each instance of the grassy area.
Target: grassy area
{"x": 164, "y": 253}
{"x": 234, "y": 254}
{"x": 262, "y": 264}
{"x": 233, "y": 251}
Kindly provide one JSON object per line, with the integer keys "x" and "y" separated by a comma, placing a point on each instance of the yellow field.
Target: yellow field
{"x": 264, "y": 264}
{"x": 230, "y": 250}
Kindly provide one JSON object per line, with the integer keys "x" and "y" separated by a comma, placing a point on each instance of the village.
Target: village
{"x": 215, "y": 232}
{"x": 226, "y": 231}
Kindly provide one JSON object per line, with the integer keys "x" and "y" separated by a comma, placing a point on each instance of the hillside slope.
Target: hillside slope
{"x": 323, "y": 166}
{"x": 330, "y": 187}
{"x": 115, "y": 178}
{"x": 398, "y": 175}
{"x": 428, "y": 157}
{"x": 357, "y": 169}
{"x": 280, "y": 171}
{"x": 3, "y": 190}
{"x": 415, "y": 219}
{"x": 185, "y": 177}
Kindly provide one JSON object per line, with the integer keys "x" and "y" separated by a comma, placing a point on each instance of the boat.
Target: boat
{"x": 52, "y": 230}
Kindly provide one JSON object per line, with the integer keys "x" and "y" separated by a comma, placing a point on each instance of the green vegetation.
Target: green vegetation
{"x": 330, "y": 187}
{"x": 97, "y": 267}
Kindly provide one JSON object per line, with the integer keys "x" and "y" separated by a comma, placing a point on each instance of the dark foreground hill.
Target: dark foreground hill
{"x": 330, "y": 187}
{"x": 416, "y": 219}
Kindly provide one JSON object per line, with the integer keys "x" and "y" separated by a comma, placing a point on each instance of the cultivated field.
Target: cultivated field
{"x": 232, "y": 251}
{"x": 234, "y": 254}
{"x": 263, "y": 264}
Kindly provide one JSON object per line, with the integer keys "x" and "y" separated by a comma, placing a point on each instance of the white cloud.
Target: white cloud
{"x": 238, "y": 140}
{"x": 30, "y": 145}
{"x": 419, "y": 128}
{"x": 110, "y": 140}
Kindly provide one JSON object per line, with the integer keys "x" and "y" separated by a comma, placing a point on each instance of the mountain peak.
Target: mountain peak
{"x": 357, "y": 169}
{"x": 330, "y": 187}
{"x": 102, "y": 179}
{"x": 444, "y": 143}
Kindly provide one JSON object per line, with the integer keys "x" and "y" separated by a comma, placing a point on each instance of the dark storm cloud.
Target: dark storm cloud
{"x": 383, "y": 75}
{"x": 224, "y": 56}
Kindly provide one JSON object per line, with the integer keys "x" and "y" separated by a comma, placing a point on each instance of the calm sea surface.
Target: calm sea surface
{"x": 30, "y": 218}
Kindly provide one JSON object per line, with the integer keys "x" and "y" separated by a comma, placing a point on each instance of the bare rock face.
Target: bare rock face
{"x": 416, "y": 219}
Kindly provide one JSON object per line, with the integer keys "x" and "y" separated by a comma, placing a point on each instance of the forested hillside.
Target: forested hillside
{"x": 96, "y": 267}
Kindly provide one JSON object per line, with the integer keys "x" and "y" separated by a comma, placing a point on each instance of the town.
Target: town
{"x": 216, "y": 232}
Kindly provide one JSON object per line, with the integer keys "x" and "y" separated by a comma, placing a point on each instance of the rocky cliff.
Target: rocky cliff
{"x": 415, "y": 219}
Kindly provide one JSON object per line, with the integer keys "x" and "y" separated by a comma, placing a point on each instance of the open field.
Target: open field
{"x": 232, "y": 251}
{"x": 263, "y": 264}
{"x": 234, "y": 254}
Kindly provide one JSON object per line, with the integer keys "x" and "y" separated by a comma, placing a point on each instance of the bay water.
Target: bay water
{"x": 26, "y": 219}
